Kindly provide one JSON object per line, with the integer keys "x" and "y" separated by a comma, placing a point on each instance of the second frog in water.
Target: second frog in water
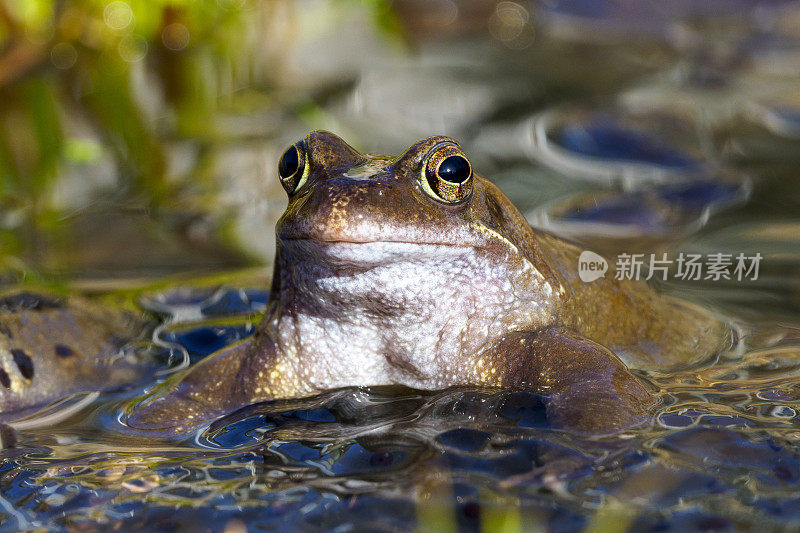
{"x": 415, "y": 271}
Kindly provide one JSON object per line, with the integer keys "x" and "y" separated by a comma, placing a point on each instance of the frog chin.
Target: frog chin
{"x": 375, "y": 274}
{"x": 408, "y": 285}
{"x": 368, "y": 253}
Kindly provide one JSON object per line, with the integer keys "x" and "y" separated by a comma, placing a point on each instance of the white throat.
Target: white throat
{"x": 399, "y": 313}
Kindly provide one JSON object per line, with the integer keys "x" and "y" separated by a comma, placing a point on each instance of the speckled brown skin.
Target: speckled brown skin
{"x": 50, "y": 349}
{"x": 378, "y": 282}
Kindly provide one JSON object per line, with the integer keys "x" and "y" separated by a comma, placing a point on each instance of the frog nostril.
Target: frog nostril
{"x": 24, "y": 363}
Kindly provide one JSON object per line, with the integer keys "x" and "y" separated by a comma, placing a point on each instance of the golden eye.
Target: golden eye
{"x": 292, "y": 167}
{"x": 448, "y": 174}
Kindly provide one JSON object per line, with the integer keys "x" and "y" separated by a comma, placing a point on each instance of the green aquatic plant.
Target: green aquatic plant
{"x": 75, "y": 86}
{"x": 124, "y": 104}
{"x": 84, "y": 61}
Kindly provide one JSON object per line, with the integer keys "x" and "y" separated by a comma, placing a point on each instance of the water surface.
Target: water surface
{"x": 650, "y": 129}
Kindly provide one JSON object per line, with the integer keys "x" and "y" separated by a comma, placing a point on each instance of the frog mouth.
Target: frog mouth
{"x": 368, "y": 252}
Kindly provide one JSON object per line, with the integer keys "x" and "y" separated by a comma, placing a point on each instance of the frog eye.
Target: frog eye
{"x": 448, "y": 174}
{"x": 292, "y": 168}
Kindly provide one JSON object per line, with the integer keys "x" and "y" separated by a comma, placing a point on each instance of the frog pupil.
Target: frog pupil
{"x": 289, "y": 162}
{"x": 454, "y": 169}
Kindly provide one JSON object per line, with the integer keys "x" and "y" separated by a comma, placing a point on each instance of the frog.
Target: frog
{"x": 53, "y": 346}
{"x": 415, "y": 271}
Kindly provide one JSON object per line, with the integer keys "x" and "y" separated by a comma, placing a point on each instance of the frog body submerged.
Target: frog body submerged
{"x": 415, "y": 271}
{"x": 50, "y": 348}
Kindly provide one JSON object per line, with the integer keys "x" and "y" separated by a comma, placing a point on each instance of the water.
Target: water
{"x": 721, "y": 453}
{"x": 631, "y": 129}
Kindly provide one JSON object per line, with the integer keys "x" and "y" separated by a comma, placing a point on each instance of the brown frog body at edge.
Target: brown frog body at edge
{"x": 416, "y": 271}
{"x": 51, "y": 347}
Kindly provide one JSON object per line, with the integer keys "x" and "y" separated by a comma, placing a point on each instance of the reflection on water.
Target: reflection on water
{"x": 138, "y": 149}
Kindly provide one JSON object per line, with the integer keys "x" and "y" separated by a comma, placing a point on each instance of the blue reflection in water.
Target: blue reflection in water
{"x": 725, "y": 450}
{"x": 359, "y": 460}
{"x": 698, "y": 194}
{"x": 609, "y": 140}
{"x": 525, "y": 409}
{"x": 626, "y": 210}
{"x": 658, "y": 208}
{"x": 204, "y": 340}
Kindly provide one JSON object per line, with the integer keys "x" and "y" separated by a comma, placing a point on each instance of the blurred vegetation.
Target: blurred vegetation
{"x": 67, "y": 58}
{"x": 101, "y": 87}
{"x": 68, "y": 95}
